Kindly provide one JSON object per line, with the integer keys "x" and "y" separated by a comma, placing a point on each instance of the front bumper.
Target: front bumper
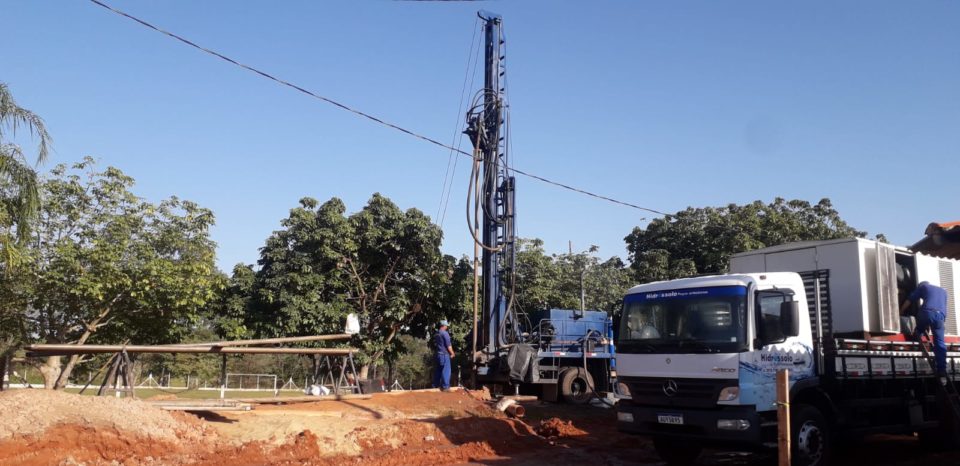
{"x": 698, "y": 424}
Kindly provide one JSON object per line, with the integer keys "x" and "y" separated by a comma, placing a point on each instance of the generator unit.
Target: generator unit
{"x": 867, "y": 279}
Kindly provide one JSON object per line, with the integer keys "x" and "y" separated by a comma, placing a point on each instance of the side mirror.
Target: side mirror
{"x": 790, "y": 318}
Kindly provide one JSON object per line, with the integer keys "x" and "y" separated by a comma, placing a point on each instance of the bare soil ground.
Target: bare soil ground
{"x": 413, "y": 428}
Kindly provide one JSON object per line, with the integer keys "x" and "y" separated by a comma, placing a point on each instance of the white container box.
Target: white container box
{"x": 863, "y": 279}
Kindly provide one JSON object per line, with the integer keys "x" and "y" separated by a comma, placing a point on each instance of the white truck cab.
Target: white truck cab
{"x": 699, "y": 357}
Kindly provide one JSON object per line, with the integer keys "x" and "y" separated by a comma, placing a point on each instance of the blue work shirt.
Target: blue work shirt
{"x": 441, "y": 341}
{"x": 934, "y": 298}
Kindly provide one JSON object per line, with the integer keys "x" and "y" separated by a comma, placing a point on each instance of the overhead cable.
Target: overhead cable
{"x": 457, "y": 133}
{"x": 358, "y": 112}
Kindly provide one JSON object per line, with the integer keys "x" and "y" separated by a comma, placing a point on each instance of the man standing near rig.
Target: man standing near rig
{"x": 931, "y": 304}
{"x": 443, "y": 349}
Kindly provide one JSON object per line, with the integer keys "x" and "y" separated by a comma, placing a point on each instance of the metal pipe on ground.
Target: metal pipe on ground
{"x": 516, "y": 411}
{"x": 304, "y": 399}
{"x": 511, "y": 407}
{"x": 267, "y": 341}
{"x": 54, "y": 350}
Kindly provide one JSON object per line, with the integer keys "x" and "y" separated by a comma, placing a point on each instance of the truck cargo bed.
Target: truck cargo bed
{"x": 882, "y": 359}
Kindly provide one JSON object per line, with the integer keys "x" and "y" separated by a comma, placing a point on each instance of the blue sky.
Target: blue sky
{"x": 663, "y": 104}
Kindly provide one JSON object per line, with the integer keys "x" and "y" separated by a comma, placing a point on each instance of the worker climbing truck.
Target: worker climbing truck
{"x": 555, "y": 353}
{"x": 698, "y": 357}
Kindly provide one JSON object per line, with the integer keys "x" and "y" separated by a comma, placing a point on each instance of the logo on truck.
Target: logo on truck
{"x": 670, "y": 388}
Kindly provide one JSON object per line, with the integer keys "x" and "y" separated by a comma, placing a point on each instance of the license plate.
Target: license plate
{"x": 676, "y": 419}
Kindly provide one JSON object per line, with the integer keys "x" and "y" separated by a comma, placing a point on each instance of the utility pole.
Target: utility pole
{"x": 583, "y": 272}
{"x": 583, "y": 295}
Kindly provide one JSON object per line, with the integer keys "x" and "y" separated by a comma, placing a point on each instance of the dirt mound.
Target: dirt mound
{"x": 72, "y": 444}
{"x": 556, "y": 427}
{"x": 26, "y": 412}
{"x": 414, "y": 428}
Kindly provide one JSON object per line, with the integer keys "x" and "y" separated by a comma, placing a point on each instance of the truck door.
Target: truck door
{"x": 773, "y": 351}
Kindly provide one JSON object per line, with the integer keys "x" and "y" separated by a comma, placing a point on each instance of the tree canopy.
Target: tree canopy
{"x": 19, "y": 192}
{"x": 554, "y": 281}
{"x": 381, "y": 263}
{"x": 106, "y": 263}
{"x": 701, "y": 240}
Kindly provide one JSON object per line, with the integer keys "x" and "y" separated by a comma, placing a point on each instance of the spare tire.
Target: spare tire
{"x": 576, "y": 385}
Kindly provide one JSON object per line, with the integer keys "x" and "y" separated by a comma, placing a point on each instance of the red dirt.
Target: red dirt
{"x": 82, "y": 444}
{"x": 555, "y": 427}
{"x": 414, "y": 428}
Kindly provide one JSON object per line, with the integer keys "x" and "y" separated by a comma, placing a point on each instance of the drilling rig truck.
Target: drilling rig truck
{"x": 552, "y": 353}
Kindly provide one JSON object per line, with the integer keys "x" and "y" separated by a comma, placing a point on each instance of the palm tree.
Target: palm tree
{"x": 19, "y": 192}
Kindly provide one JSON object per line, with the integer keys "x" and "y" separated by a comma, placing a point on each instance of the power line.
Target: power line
{"x": 358, "y": 112}
{"x": 457, "y": 133}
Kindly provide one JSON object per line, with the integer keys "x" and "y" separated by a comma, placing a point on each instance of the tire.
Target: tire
{"x": 810, "y": 437}
{"x": 946, "y": 436}
{"x": 576, "y": 385}
{"x": 676, "y": 453}
{"x": 933, "y": 440}
{"x": 939, "y": 439}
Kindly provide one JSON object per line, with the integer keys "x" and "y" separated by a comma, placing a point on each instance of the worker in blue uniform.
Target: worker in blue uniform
{"x": 930, "y": 302}
{"x": 443, "y": 350}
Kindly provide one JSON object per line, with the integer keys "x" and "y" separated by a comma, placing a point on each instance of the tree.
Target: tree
{"x": 554, "y": 281}
{"x": 107, "y": 263}
{"x": 701, "y": 240}
{"x": 537, "y": 278}
{"x": 19, "y": 203}
{"x": 19, "y": 195}
{"x": 412, "y": 366}
{"x": 228, "y": 313}
{"x": 382, "y": 263}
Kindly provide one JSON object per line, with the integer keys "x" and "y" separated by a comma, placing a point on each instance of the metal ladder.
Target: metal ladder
{"x": 948, "y": 391}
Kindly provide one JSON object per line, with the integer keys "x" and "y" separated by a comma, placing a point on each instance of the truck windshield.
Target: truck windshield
{"x": 692, "y": 320}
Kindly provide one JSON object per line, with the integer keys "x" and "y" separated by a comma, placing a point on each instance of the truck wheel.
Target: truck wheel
{"x": 938, "y": 439}
{"x": 811, "y": 437}
{"x": 576, "y": 385}
{"x": 676, "y": 453}
{"x": 932, "y": 439}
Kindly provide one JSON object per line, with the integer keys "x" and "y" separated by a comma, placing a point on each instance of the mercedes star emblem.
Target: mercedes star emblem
{"x": 670, "y": 388}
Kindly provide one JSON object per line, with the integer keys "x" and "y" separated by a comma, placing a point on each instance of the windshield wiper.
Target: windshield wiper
{"x": 698, "y": 345}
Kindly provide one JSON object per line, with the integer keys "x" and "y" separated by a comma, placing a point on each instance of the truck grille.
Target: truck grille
{"x": 692, "y": 393}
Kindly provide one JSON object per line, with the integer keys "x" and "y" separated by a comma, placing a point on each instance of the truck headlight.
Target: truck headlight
{"x": 729, "y": 394}
{"x": 624, "y": 417}
{"x": 733, "y": 424}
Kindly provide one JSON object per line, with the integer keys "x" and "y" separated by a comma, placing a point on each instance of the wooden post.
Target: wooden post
{"x": 783, "y": 416}
{"x": 223, "y": 376}
{"x": 111, "y": 375}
